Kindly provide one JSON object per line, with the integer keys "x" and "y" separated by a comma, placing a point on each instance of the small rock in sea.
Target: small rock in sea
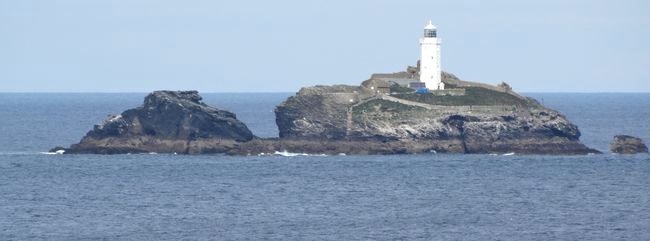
{"x": 623, "y": 144}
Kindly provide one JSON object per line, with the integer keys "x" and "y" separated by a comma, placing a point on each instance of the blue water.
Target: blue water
{"x": 408, "y": 197}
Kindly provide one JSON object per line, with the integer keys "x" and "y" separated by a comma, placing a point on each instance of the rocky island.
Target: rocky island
{"x": 466, "y": 117}
{"x": 380, "y": 116}
{"x": 420, "y": 110}
{"x": 167, "y": 122}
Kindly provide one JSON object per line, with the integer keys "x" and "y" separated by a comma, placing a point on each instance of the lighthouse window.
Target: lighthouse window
{"x": 429, "y": 33}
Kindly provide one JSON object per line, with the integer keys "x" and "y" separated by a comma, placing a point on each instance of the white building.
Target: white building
{"x": 430, "y": 72}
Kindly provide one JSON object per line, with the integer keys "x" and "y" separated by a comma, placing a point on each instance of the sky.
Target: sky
{"x": 281, "y": 45}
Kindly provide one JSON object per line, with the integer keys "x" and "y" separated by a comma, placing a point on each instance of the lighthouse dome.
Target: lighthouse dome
{"x": 430, "y": 26}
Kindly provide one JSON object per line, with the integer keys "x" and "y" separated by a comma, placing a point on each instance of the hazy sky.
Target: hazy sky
{"x": 252, "y": 46}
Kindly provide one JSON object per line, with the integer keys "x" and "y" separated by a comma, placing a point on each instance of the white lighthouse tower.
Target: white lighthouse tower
{"x": 430, "y": 72}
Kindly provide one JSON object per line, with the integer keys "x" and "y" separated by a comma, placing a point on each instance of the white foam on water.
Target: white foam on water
{"x": 59, "y": 152}
{"x": 288, "y": 154}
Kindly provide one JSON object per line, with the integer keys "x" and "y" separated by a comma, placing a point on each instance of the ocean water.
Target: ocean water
{"x": 404, "y": 197}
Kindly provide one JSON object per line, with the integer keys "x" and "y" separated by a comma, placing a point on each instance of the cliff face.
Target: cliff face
{"x": 168, "y": 121}
{"x": 318, "y": 112}
{"x": 481, "y": 121}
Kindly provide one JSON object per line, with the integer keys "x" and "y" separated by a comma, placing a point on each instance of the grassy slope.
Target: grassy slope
{"x": 473, "y": 96}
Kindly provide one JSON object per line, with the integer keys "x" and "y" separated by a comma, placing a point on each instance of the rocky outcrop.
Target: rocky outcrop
{"x": 482, "y": 121}
{"x": 167, "y": 122}
{"x": 376, "y": 117}
{"x": 623, "y": 144}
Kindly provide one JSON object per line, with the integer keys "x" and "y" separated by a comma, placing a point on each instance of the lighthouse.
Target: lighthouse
{"x": 430, "y": 73}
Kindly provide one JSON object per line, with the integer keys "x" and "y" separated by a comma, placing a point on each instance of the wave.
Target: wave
{"x": 289, "y": 154}
{"x": 59, "y": 152}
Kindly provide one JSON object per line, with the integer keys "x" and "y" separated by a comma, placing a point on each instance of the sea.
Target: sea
{"x": 394, "y": 197}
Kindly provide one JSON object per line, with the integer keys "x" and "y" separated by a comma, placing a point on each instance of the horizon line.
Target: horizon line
{"x": 279, "y": 92}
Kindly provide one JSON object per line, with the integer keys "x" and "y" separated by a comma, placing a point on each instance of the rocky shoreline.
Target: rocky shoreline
{"x": 376, "y": 117}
